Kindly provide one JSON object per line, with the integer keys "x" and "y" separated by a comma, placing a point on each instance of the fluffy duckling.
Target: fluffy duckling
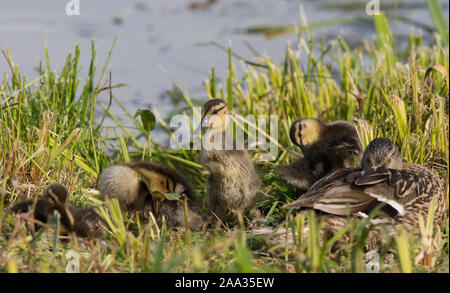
{"x": 326, "y": 148}
{"x": 83, "y": 222}
{"x": 233, "y": 183}
{"x": 404, "y": 190}
{"x": 140, "y": 187}
{"x": 87, "y": 223}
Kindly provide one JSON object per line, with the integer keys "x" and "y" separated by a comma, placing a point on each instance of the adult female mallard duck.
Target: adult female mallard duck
{"x": 84, "y": 222}
{"x": 141, "y": 187}
{"x": 233, "y": 183}
{"x": 325, "y": 147}
{"x": 404, "y": 190}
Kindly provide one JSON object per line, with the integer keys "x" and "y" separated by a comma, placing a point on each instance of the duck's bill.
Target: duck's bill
{"x": 156, "y": 205}
{"x": 206, "y": 123}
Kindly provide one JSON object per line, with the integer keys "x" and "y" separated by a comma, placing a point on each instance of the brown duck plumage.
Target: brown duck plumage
{"x": 233, "y": 182}
{"x": 405, "y": 190}
{"x": 83, "y": 222}
{"x": 140, "y": 187}
{"x": 326, "y": 147}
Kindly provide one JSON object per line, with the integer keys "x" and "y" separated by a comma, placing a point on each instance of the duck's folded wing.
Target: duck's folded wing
{"x": 340, "y": 200}
{"x": 394, "y": 187}
{"x": 372, "y": 176}
{"x": 344, "y": 201}
{"x": 344, "y": 192}
{"x": 335, "y": 194}
{"x": 355, "y": 190}
{"x": 336, "y": 178}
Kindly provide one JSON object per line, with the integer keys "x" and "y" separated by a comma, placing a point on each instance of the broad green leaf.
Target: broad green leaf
{"x": 147, "y": 118}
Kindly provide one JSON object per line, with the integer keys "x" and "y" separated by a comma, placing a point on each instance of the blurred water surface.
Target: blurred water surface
{"x": 160, "y": 33}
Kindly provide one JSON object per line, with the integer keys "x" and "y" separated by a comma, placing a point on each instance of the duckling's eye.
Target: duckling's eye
{"x": 215, "y": 111}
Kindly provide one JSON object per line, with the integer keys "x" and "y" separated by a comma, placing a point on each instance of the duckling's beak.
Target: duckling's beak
{"x": 157, "y": 198}
{"x": 156, "y": 204}
{"x": 206, "y": 123}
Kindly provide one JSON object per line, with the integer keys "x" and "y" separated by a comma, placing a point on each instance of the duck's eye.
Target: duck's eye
{"x": 215, "y": 112}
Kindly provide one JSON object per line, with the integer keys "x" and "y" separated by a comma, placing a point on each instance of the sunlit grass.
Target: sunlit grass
{"x": 49, "y": 132}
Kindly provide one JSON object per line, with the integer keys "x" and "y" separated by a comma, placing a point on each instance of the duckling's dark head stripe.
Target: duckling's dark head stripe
{"x": 170, "y": 183}
{"x": 211, "y": 103}
{"x": 57, "y": 193}
{"x": 169, "y": 173}
{"x": 294, "y": 132}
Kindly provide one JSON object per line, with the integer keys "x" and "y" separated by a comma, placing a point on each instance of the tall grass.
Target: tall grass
{"x": 50, "y": 132}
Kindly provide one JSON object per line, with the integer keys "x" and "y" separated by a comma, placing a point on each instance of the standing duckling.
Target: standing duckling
{"x": 404, "y": 191}
{"x": 83, "y": 222}
{"x": 233, "y": 183}
{"x": 140, "y": 187}
{"x": 326, "y": 148}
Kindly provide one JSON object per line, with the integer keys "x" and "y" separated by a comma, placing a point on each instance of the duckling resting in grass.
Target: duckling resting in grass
{"x": 233, "y": 183}
{"x": 83, "y": 222}
{"x": 326, "y": 148}
{"x": 404, "y": 191}
{"x": 141, "y": 187}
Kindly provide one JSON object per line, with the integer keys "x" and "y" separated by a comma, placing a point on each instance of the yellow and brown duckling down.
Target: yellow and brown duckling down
{"x": 84, "y": 222}
{"x": 233, "y": 182}
{"x": 141, "y": 187}
{"x": 404, "y": 191}
{"x": 325, "y": 147}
